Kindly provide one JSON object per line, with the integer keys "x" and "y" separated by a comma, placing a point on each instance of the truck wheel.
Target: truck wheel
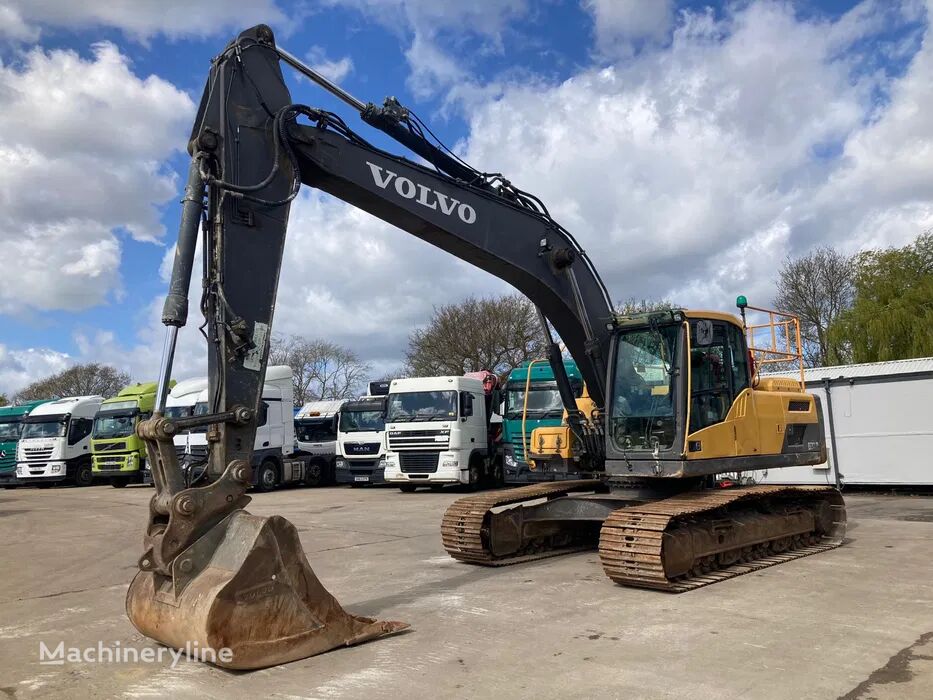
{"x": 267, "y": 478}
{"x": 476, "y": 473}
{"x": 407, "y": 488}
{"x": 83, "y": 474}
{"x": 314, "y": 474}
{"x": 119, "y": 483}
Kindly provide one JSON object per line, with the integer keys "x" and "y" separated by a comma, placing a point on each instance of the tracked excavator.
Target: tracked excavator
{"x": 673, "y": 399}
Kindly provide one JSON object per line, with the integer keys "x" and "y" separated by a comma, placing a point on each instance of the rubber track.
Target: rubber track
{"x": 631, "y": 538}
{"x": 461, "y": 528}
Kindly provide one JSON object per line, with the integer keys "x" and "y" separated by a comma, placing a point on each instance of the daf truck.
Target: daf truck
{"x": 316, "y": 431}
{"x": 438, "y": 433}
{"x": 11, "y": 427}
{"x": 117, "y": 453}
{"x": 277, "y": 460}
{"x": 361, "y": 442}
{"x": 55, "y": 445}
{"x": 532, "y": 401}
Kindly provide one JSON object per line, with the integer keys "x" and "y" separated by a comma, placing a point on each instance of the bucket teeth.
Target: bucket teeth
{"x": 247, "y": 587}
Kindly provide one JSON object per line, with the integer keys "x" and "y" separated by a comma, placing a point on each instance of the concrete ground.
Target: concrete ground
{"x": 856, "y": 622}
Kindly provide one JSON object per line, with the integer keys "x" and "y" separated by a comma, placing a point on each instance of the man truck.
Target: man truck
{"x": 532, "y": 400}
{"x": 361, "y": 439}
{"x": 438, "y": 433}
{"x": 55, "y": 445}
{"x": 11, "y": 427}
{"x": 117, "y": 453}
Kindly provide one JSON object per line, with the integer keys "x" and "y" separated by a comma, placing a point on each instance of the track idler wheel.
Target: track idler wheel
{"x": 247, "y": 587}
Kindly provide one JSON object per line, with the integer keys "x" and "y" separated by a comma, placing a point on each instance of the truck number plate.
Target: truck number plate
{"x": 360, "y": 478}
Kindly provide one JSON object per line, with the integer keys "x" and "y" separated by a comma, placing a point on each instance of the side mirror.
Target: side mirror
{"x": 466, "y": 404}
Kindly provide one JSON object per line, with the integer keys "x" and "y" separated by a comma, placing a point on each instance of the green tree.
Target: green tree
{"x": 3, "y": 400}
{"x": 892, "y": 317}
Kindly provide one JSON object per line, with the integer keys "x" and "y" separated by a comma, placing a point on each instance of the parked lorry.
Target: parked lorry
{"x": 11, "y": 427}
{"x": 361, "y": 442}
{"x": 55, "y": 444}
{"x": 438, "y": 432}
{"x": 532, "y": 400}
{"x": 118, "y": 454}
{"x": 316, "y": 432}
{"x": 276, "y": 458}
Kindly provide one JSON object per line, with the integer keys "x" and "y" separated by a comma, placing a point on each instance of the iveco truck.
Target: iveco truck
{"x": 438, "y": 433}
{"x": 532, "y": 401}
{"x": 361, "y": 439}
{"x": 276, "y": 459}
{"x": 55, "y": 444}
{"x": 11, "y": 426}
{"x": 118, "y": 455}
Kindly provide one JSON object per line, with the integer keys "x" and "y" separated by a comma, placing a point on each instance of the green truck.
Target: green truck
{"x": 118, "y": 454}
{"x": 11, "y": 427}
{"x": 542, "y": 409}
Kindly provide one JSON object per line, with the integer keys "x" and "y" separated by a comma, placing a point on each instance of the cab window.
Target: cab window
{"x": 710, "y": 373}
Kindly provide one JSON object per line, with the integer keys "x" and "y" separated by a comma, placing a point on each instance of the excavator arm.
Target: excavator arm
{"x": 209, "y": 569}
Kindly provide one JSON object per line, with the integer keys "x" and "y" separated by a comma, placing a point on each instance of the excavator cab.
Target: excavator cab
{"x": 685, "y": 401}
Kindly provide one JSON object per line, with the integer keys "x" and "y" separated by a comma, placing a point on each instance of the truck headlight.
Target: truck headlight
{"x": 382, "y": 463}
{"x": 20, "y": 471}
{"x": 131, "y": 460}
{"x": 340, "y": 463}
{"x": 450, "y": 463}
{"x": 57, "y": 469}
{"x": 510, "y": 460}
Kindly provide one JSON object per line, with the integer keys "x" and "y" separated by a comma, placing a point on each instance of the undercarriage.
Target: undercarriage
{"x": 647, "y": 536}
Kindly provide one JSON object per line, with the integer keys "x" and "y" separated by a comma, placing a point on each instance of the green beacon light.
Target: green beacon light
{"x": 741, "y": 301}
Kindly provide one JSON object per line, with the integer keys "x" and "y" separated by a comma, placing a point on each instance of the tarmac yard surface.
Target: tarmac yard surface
{"x": 854, "y": 623}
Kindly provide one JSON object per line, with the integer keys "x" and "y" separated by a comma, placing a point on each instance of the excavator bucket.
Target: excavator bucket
{"x": 243, "y": 596}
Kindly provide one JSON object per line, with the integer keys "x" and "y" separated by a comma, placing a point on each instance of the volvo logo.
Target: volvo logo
{"x": 422, "y": 194}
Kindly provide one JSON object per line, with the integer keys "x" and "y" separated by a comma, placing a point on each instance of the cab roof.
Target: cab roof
{"x": 21, "y": 409}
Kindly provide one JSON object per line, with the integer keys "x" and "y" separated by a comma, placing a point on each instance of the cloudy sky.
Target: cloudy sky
{"x": 690, "y": 146}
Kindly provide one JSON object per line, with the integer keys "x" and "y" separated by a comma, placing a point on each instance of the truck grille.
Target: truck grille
{"x": 419, "y": 439}
{"x": 418, "y": 462}
{"x": 361, "y": 448}
{"x": 109, "y": 446}
{"x": 9, "y": 461}
{"x": 363, "y": 463}
{"x": 195, "y": 451}
{"x": 110, "y": 462}
{"x": 37, "y": 454}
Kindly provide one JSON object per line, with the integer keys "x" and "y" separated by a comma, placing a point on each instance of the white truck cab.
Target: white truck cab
{"x": 275, "y": 433}
{"x": 437, "y": 432}
{"x": 55, "y": 444}
{"x": 361, "y": 442}
{"x": 316, "y": 432}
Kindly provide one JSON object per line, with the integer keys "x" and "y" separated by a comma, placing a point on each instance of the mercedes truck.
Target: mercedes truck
{"x": 117, "y": 453}
{"x": 11, "y": 427}
{"x": 55, "y": 445}
{"x": 532, "y": 401}
{"x": 438, "y": 432}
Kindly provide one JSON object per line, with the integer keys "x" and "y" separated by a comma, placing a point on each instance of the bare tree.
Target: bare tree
{"x": 633, "y": 305}
{"x": 320, "y": 369}
{"x": 817, "y": 288}
{"x": 497, "y": 334}
{"x": 80, "y": 380}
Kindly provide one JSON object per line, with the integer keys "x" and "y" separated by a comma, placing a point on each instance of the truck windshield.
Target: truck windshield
{"x": 315, "y": 430}
{"x": 51, "y": 427}
{"x": 10, "y": 430}
{"x": 114, "y": 425}
{"x": 361, "y": 421}
{"x": 543, "y": 401}
{"x": 422, "y": 406}
{"x": 200, "y": 409}
{"x": 179, "y": 411}
{"x": 642, "y": 415}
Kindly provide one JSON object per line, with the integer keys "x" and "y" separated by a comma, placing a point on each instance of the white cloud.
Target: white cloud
{"x": 621, "y": 23}
{"x": 21, "y": 367}
{"x": 689, "y": 171}
{"x": 141, "y": 19}
{"x": 82, "y": 150}
{"x": 334, "y": 70}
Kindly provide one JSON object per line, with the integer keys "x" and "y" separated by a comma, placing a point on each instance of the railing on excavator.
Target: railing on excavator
{"x": 773, "y": 338}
